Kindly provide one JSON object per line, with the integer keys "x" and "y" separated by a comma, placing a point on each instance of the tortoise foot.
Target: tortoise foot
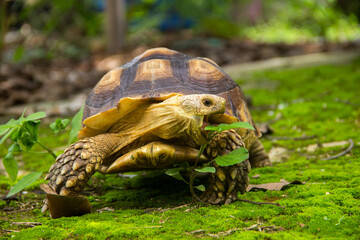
{"x": 226, "y": 182}
{"x": 72, "y": 169}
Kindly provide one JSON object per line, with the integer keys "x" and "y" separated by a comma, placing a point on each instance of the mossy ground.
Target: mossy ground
{"x": 322, "y": 101}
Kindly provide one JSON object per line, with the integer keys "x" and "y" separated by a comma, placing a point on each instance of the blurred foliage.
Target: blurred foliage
{"x": 304, "y": 20}
{"x": 70, "y": 28}
{"x": 53, "y": 28}
{"x": 276, "y": 21}
{"x": 204, "y": 16}
{"x": 62, "y": 17}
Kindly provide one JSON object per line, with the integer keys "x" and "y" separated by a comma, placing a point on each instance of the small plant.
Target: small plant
{"x": 237, "y": 156}
{"x": 23, "y": 134}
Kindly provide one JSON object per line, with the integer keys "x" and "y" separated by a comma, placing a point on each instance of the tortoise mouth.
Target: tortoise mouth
{"x": 202, "y": 129}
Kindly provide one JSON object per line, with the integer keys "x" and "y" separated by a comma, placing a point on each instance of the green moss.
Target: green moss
{"x": 321, "y": 101}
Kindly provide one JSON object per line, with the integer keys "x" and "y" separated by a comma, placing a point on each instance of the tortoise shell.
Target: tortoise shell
{"x": 154, "y": 76}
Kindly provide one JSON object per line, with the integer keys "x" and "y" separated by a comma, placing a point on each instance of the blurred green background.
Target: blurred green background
{"x": 49, "y": 29}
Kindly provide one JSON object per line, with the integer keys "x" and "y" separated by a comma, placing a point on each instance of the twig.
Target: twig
{"x": 174, "y": 208}
{"x": 260, "y": 228}
{"x": 10, "y": 231}
{"x": 223, "y": 234}
{"x": 252, "y": 227}
{"x": 22, "y": 210}
{"x": 42, "y": 145}
{"x": 197, "y": 231}
{"x": 27, "y": 224}
{"x": 291, "y": 138}
{"x": 342, "y": 153}
{"x": 148, "y": 227}
{"x": 260, "y": 203}
{"x": 165, "y": 209}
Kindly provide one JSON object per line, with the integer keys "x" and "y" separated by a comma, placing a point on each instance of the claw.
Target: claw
{"x": 233, "y": 145}
{"x": 64, "y": 191}
{"x": 236, "y": 140}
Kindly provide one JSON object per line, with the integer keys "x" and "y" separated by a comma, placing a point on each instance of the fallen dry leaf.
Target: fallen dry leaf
{"x": 272, "y": 186}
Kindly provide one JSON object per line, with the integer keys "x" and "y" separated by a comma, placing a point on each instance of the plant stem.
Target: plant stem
{"x": 194, "y": 172}
{"x": 191, "y": 185}
{"x": 42, "y": 145}
{"x": 47, "y": 149}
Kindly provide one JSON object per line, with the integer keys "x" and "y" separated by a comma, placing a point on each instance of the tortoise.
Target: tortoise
{"x": 150, "y": 113}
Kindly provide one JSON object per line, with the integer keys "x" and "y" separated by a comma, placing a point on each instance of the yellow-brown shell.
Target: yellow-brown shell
{"x": 154, "y": 76}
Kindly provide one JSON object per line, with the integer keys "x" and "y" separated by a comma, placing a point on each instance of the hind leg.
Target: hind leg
{"x": 258, "y": 156}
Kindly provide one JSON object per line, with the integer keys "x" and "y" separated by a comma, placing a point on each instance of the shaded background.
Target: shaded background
{"x": 53, "y": 50}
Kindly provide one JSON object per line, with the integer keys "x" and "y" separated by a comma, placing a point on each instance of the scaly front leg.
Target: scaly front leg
{"x": 72, "y": 169}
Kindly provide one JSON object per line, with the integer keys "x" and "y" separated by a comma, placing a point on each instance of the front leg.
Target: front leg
{"x": 72, "y": 169}
{"x": 226, "y": 182}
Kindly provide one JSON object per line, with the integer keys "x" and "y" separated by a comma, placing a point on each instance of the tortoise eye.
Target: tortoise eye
{"x": 207, "y": 102}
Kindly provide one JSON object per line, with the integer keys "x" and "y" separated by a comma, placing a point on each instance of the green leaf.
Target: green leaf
{"x": 200, "y": 187}
{"x": 7, "y": 135}
{"x": 54, "y": 128}
{"x": 16, "y": 134}
{"x": 4, "y": 129}
{"x": 32, "y": 128}
{"x": 27, "y": 140}
{"x": 175, "y": 174}
{"x": 24, "y": 182}
{"x": 237, "y": 156}
{"x": 59, "y": 125}
{"x": 12, "y": 123}
{"x": 29, "y": 135}
{"x": 65, "y": 123}
{"x": 206, "y": 169}
{"x": 222, "y": 127}
{"x": 35, "y": 116}
{"x": 11, "y": 166}
{"x": 21, "y": 118}
{"x": 76, "y": 124}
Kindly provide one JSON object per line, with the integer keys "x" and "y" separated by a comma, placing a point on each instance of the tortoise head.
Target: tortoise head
{"x": 202, "y": 104}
